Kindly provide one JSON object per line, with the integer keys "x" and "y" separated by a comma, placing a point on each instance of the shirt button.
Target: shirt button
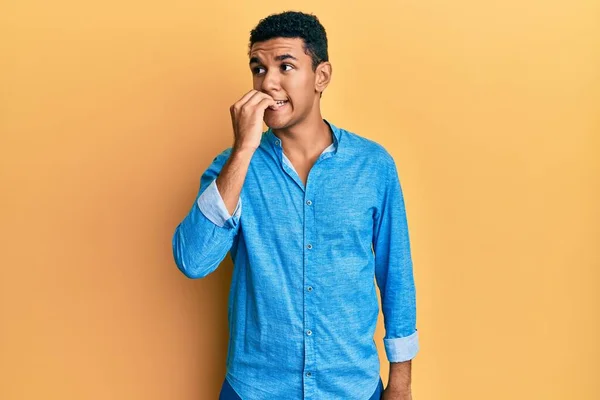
{"x": 308, "y": 202}
{"x": 309, "y": 288}
{"x": 309, "y": 332}
{"x": 277, "y": 142}
{"x": 309, "y": 246}
{"x": 308, "y": 374}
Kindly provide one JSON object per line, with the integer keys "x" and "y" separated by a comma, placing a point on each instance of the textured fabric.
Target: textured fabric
{"x": 228, "y": 393}
{"x": 302, "y": 307}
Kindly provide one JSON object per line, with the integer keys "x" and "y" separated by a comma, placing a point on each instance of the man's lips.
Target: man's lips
{"x": 280, "y": 103}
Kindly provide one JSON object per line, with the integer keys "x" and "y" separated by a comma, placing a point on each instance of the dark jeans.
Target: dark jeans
{"x": 227, "y": 392}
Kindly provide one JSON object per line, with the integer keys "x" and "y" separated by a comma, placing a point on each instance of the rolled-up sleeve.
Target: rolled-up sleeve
{"x": 394, "y": 269}
{"x": 213, "y": 207}
{"x": 201, "y": 241}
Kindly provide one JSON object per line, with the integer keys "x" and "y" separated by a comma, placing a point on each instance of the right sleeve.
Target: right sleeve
{"x": 201, "y": 241}
{"x": 213, "y": 207}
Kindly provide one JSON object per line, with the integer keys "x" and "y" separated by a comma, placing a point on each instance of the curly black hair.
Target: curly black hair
{"x": 294, "y": 24}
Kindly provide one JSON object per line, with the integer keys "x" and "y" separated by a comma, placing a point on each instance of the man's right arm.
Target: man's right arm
{"x": 204, "y": 237}
{"x": 232, "y": 176}
{"x": 202, "y": 240}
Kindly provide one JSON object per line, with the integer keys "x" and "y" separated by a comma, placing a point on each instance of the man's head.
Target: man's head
{"x": 289, "y": 61}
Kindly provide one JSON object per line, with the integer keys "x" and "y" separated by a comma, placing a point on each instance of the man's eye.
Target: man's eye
{"x": 256, "y": 70}
{"x": 286, "y": 65}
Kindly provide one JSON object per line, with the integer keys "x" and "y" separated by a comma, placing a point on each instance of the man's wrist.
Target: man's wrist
{"x": 400, "y": 376}
{"x": 397, "y": 390}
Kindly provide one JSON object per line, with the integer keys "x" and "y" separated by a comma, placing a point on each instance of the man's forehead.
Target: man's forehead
{"x": 274, "y": 47}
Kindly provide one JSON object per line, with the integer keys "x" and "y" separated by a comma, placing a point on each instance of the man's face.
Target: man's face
{"x": 281, "y": 69}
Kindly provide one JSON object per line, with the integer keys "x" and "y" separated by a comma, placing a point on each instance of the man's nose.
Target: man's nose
{"x": 270, "y": 82}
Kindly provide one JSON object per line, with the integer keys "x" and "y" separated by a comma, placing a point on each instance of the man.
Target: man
{"x": 323, "y": 214}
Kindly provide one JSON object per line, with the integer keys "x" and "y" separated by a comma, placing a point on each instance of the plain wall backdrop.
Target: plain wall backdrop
{"x": 110, "y": 112}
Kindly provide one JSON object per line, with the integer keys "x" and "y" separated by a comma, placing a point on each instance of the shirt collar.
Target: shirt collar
{"x": 275, "y": 141}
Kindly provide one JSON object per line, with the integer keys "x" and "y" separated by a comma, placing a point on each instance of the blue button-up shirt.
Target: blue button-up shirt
{"x": 303, "y": 306}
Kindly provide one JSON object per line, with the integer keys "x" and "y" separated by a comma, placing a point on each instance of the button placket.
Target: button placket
{"x": 309, "y": 270}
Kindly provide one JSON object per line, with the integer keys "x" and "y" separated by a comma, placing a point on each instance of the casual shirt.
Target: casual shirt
{"x": 302, "y": 306}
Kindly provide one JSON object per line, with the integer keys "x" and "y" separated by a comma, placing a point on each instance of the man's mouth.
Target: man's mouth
{"x": 278, "y": 105}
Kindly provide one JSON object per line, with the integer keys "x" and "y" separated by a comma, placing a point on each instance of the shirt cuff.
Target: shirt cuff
{"x": 213, "y": 207}
{"x": 403, "y": 348}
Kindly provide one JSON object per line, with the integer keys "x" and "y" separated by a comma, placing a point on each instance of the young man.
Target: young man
{"x": 323, "y": 214}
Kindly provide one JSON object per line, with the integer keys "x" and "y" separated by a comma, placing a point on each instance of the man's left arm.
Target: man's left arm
{"x": 394, "y": 276}
{"x": 399, "y": 383}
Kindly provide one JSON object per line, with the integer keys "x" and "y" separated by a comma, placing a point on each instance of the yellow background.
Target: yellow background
{"x": 110, "y": 112}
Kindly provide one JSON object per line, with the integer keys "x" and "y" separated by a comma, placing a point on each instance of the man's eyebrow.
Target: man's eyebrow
{"x": 285, "y": 57}
{"x": 256, "y": 60}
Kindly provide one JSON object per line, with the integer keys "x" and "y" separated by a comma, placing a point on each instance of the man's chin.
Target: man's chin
{"x": 275, "y": 123}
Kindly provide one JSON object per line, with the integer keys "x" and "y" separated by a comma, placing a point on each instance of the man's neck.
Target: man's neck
{"x": 306, "y": 140}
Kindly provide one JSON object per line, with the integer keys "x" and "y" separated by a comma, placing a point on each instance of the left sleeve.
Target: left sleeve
{"x": 394, "y": 270}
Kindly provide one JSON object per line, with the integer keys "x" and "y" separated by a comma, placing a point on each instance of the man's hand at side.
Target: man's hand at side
{"x": 398, "y": 387}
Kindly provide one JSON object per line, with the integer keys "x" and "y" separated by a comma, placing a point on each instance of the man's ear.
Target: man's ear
{"x": 322, "y": 76}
